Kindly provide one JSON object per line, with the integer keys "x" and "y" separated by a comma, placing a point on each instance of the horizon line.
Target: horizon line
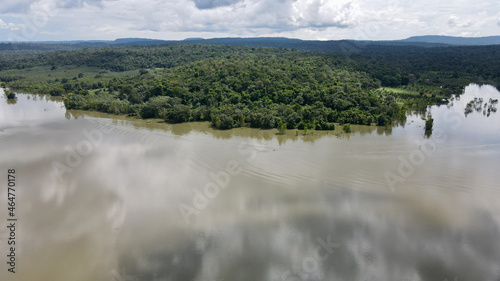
{"x": 239, "y": 37}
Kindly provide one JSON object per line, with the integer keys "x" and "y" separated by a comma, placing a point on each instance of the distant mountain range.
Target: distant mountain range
{"x": 415, "y": 40}
{"x": 449, "y": 40}
{"x": 274, "y": 42}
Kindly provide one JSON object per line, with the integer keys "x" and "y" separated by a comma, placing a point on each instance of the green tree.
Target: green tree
{"x": 56, "y": 92}
{"x": 154, "y": 106}
{"x": 347, "y": 128}
{"x": 10, "y": 95}
{"x": 281, "y": 127}
{"x": 179, "y": 113}
{"x": 382, "y": 120}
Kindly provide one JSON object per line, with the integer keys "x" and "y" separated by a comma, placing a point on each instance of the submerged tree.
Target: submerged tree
{"x": 281, "y": 127}
{"x": 347, "y": 128}
{"x": 10, "y": 95}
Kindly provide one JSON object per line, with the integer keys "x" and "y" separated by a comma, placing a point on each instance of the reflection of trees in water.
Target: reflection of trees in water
{"x": 184, "y": 129}
{"x": 477, "y": 105}
{"x": 384, "y": 130}
{"x": 32, "y": 97}
{"x": 428, "y": 133}
{"x": 429, "y": 124}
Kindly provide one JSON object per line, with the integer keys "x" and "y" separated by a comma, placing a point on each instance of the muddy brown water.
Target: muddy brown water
{"x": 104, "y": 197}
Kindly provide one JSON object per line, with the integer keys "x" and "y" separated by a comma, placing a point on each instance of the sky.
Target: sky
{"x": 59, "y": 20}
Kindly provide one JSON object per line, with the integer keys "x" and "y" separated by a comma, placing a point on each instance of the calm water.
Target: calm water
{"x": 102, "y": 197}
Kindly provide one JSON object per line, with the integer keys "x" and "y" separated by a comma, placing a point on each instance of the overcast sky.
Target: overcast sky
{"x": 42, "y": 20}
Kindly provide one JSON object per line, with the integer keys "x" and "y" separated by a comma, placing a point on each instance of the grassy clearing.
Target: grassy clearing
{"x": 46, "y": 74}
{"x": 420, "y": 90}
{"x": 398, "y": 91}
{"x": 60, "y": 80}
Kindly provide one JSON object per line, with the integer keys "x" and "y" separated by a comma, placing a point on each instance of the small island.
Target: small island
{"x": 10, "y": 95}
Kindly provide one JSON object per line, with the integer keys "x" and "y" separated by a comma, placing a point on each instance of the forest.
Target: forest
{"x": 258, "y": 87}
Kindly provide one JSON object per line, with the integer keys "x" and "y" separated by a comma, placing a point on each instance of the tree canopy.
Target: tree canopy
{"x": 234, "y": 86}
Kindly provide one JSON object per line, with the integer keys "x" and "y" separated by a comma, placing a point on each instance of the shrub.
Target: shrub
{"x": 177, "y": 114}
{"x": 347, "y": 128}
{"x": 223, "y": 122}
{"x": 154, "y": 106}
{"x": 56, "y": 92}
{"x": 382, "y": 120}
{"x": 10, "y": 95}
{"x": 281, "y": 127}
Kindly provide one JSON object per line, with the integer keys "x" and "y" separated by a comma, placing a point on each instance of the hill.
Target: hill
{"x": 286, "y": 86}
{"x": 462, "y": 41}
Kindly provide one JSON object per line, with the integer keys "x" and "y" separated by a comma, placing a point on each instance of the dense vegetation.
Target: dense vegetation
{"x": 450, "y": 67}
{"x": 233, "y": 86}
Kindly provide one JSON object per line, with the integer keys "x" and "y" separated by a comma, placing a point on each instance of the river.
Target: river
{"x": 103, "y": 197}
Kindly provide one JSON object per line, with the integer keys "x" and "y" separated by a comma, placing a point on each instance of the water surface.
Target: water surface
{"x": 103, "y": 197}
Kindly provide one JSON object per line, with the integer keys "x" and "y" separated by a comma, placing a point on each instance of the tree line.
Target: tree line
{"x": 234, "y": 86}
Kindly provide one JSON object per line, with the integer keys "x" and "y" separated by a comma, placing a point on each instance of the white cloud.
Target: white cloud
{"x": 24, "y": 6}
{"x": 182, "y": 16}
{"x": 323, "y": 13}
{"x": 9, "y": 26}
{"x": 306, "y": 19}
{"x": 454, "y": 21}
